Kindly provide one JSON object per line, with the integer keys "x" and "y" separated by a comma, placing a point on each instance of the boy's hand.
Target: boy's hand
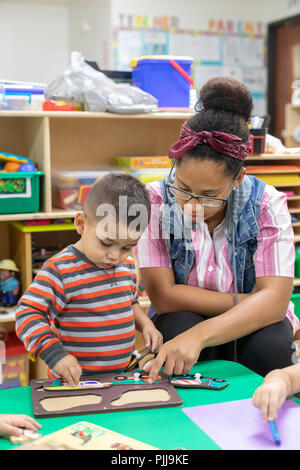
{"x": 13, "y": 425}
{"x": 152, "y": 336}
{"x": 269, "y": 397}
{"x": 68, "y": 367}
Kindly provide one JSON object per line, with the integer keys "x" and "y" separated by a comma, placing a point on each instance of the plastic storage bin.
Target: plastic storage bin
{"x": 20, "y": 192}
{"x": 167, "y": 78}
{"x": 257, "y": 141}
{"x": 70, "y": 188}
{"x": 21, "y": 99}
{"x": 15, "y": 370}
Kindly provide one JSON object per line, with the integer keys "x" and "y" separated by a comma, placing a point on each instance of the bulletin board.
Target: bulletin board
{"x": 241, "y": 56}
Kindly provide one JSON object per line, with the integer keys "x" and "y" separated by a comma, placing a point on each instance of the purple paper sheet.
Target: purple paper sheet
{"x": 238, "y": 425}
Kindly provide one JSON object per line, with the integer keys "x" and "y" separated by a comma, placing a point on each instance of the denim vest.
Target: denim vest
{"x": 240, "y": 229}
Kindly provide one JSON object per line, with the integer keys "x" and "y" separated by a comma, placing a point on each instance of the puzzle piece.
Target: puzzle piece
{"x": 26, "y": 436}
{"x": 198, "y": 381}
{"x": 83, "y": 385}
{"x": 136, "y": 357}
{"x": 138, "y": 378}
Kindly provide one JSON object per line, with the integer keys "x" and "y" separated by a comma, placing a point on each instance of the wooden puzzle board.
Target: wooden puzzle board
{"x": 86, "y": 436}
{"x": 121, "y": 392}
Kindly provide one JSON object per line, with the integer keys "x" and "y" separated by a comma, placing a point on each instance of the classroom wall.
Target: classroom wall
{"x": 34, "y": 40}
{"x": 91, "y": 30}
{"x": 37, "y": 36}
{"x": 193, "y": 14}
{"x": 196, "y": 14}
{"x": 280, "y": 9}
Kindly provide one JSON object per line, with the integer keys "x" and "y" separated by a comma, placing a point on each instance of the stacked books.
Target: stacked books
{"x": 146, "y": 169}
{"x": 276, "y": 175}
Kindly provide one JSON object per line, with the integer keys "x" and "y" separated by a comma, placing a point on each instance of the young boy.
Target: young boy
{"x": 277, "y": 386}
{"x": 80, "y": 313}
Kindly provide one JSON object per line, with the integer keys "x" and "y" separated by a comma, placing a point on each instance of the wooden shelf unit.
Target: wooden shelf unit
{"x": 84, "y": 140}
{"x": 73, "y": 141}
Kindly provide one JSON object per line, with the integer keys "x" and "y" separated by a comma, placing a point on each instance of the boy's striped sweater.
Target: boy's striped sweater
{"x": 74, "y": 307}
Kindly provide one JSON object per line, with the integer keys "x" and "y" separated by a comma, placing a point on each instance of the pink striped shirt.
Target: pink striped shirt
{"x": 274, "y": 255}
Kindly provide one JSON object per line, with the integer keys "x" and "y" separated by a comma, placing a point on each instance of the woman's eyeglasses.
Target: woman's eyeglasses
{"x": 207, "y": 201}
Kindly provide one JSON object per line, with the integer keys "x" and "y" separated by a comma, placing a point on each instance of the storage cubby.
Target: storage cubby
{"x": 23, "y": 240}
{"x": 78, "y": 141}
{"x": 72, "y": 141}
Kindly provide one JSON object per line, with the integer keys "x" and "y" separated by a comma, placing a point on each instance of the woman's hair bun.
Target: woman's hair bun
{"x": 227, "y": 94}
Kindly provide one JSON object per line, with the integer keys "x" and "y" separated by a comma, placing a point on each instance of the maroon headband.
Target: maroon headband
{"x": 228, "y": 144}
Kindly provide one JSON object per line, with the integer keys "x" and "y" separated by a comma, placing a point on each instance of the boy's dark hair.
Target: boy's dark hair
{"x": 110, "y": 188}
{"x": 225, "y": 105}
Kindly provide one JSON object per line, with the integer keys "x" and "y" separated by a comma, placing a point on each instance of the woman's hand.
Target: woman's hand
{"x": 177, "y": 355}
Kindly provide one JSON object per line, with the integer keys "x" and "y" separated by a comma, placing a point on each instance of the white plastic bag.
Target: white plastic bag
{"x": 92, "y": 90}
{"x": 129, "y": 99}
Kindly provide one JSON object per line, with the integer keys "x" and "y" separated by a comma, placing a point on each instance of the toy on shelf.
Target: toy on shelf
{"x": 15, "y": 163}
{"x": 19, "y": 184}
{"x": 33, "y": 223}
{"x": 11, "y": 157}
{"x": 27, "y": 167}
{"x": 17, "y": 167}
{"x": 9, "y": 284}
{"x": 49, "y": 105}
{"x": 11, "y": 166}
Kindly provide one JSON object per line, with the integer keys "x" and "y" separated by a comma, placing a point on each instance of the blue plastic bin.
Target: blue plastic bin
{"x": 156, "y": 75}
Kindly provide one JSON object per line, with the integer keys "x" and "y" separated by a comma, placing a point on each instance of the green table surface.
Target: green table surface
{"x": 164, "y": 428}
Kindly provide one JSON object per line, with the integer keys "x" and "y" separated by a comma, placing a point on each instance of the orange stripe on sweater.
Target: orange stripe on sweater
{"x": 41, "y": 277}
{"x": 102, "y": 353}
{"x": 26, "y": 322}
{"x": 79, "y": 324}
{"x": 35, "y": 305}
{"x": 42, "y": 329}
